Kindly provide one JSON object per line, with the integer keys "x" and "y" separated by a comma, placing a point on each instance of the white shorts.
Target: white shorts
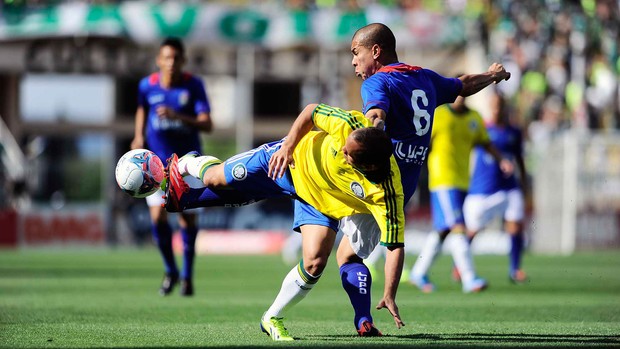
{"x": 363, "y": 232}
{"x": 156, "y": 199}
{"x": 480, "y": 209}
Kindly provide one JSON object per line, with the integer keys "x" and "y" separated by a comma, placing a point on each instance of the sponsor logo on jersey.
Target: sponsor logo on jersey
{"x": 239, "y": 172}
{"x": 358, "y": 190}
{"x": 183, "y": 98}
{"x": 156, "y": 98}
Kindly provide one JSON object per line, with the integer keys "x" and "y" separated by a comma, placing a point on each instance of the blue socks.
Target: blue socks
{"x": 162, "y": 234}
{"x": 356, "y": 281}
{"x": 189, "y": 242}
{"x": 516, "y": 248}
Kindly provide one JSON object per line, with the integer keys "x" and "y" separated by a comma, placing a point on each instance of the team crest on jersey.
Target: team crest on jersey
{"x": 473, "y": 125}
{"x": 358, "y": 190}
{"x": 239, "y": 172}
{"x": 183, "y": 98}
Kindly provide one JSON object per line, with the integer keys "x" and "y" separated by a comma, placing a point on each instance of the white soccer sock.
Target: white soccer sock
{"x": 295, "y": 287}
{"x": 461, "y": 254}
{"x": 196, "y": 166}
{"x": 427, "y": 256}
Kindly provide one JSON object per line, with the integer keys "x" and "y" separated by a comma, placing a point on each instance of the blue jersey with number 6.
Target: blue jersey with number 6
{"x": 409, "y": 96}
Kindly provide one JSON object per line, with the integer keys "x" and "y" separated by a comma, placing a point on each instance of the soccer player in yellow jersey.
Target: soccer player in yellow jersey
{"x": 346, "y": 167}
{"x": 456, "y": 131}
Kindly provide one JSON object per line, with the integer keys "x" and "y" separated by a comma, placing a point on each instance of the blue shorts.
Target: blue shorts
{"x": 247, "y": 173}
{"x": 447, "y": 208}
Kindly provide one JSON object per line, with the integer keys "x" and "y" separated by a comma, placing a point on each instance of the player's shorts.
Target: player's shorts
{"x": 156, "y": 199}
{"x": 363, "y": 233}
{"x": 480, "y": 209}
{"x": 248, "y": 173}
{"x": 447, "y": 208}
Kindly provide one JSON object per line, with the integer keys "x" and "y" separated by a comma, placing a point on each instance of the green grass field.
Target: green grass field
{"x": 108, "y": 299}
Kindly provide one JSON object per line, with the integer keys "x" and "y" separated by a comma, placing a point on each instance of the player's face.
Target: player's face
{"x": 169, "y": 60}
{"x": 363, "y": 60}
{"x": 351, "y": 147}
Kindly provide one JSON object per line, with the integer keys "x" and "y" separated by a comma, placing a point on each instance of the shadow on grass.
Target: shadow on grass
{"x": 475, "y": 340}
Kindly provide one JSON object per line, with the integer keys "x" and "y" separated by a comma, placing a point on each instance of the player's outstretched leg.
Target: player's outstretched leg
{"x": 175, "y": 186}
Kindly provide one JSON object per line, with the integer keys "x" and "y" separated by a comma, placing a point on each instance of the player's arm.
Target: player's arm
{"x": 281, "y": 159}
{"x": 505, "y": 165}
{"x": 394, "y": 261}
{"x": 473, "y": 83}
{"x": 138, "y": 137}
{"x": 377, "y": 116}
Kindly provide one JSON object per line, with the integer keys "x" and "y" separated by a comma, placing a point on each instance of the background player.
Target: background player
{"x": 493, "y": 194}
{"x": 402, "y": 99}
{"x": 344, "y": 169}
{"x": 172, "y": 109}
{"x": 456, "y": 131}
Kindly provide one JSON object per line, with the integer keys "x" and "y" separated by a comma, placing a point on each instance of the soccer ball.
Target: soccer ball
{"x": 139, "y": 173}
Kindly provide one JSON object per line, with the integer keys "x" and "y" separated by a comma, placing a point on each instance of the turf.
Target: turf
{"x": 108, "y": 299}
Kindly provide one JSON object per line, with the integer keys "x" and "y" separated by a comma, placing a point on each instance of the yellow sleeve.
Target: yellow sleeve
{"x": 338, "y": 122}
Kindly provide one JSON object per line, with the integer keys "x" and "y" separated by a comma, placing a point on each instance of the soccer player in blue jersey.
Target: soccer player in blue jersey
{"x": 345, "y": 168}
{"x": 402, "y": 99}
{"x": 172, "y": 109}
{"x": 493, "y": 194}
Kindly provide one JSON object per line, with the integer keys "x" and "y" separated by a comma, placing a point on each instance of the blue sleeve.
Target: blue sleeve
{"x": 375, "y": 94}
{"x": 142, "y": 90}
{"x": 200, "y": 97}
{"x": 447, "y": 89}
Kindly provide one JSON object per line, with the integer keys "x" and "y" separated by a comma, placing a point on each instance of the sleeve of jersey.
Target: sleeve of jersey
{"x": 375, "y": 94}
{"x": 447, "y": 88}
{"x": 337, "y": 122}
{"x": 200, "y": 96}
{"x": 142, "y": 89}
{"x": 389, "y": 214}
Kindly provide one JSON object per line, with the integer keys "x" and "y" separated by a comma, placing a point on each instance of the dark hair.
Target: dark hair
{"x": 175, "y": 43}
{"x": 377, "y": 33}
{"x": 376, "y": 150}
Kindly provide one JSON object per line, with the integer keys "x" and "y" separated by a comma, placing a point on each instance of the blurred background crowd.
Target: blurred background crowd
{"x": 263, "y": 60}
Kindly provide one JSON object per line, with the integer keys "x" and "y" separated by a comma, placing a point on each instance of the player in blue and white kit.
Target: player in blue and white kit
{"x": 172, "y": 109}
{"x": 493, "y": 194}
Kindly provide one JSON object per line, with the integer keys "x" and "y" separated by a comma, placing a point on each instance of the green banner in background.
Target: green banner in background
{"x": 207, "y": 23}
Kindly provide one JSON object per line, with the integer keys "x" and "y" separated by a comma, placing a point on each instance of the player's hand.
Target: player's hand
{"x": 165, "y": 112}
{"x": 279, "y": 162}
{"x": 391, "y": 306}
{"x": 499, "y": 72}
{"x": 507, "y": 167}
{"x": 137, "y": 143}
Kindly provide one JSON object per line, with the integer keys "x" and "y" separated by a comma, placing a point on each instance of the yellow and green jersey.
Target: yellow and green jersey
{"x": 452, "y": 139}
{"x": 323, "y": 178}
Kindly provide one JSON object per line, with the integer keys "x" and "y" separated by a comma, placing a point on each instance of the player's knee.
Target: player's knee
{"x": 316, "y": 265}
{"x": 214, "y": 176}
